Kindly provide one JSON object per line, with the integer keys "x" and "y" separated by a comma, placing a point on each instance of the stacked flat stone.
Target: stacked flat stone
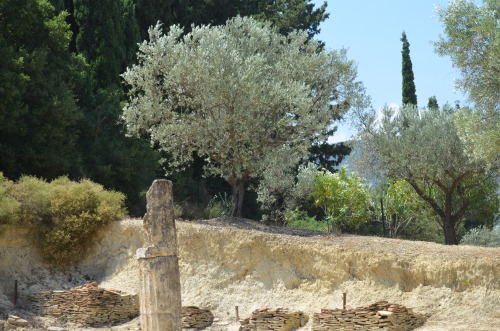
{"x": 378, "y": 316}
{"x": 279, "y": 319}
{"x": 87, "y": 304}
{"x": 196, "y": 318}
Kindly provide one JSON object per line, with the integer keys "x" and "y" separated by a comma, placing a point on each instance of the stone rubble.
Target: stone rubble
{"x": 87, "y": 304}
{"x": 196, "y": 318}
{"x": 16, "y": 321}
{"x": 378, "y": 316}
{"x": 278, "y": 319}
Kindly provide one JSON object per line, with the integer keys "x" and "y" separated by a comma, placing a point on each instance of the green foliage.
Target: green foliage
{"x": 219, "y": 205}
{"x": 472, "y": 41}
{"x": 281, "y": 190}
{"x": 432, "y": 103}
{"x": 328, "y": 156}
{"x": 345, "y": 198}
{"x": 423, "y": 148}
{"x": 65, "y": 216}
{"x": 9, "y": 207}
{"x": 482, "y": 236}
{"x": 241, "y": 96}
{"x": 290, "y": 15}
{"x": 479, "y": 133}
{"x": 38, "y": 112}
{"x": 301, "y": 220}
{"x": 407, "y": 215}
{"x": 286, "y": 16}
{"x": 409, "y": 91}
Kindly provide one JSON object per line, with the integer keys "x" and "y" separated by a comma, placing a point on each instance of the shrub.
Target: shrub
{"x": 299, "y": 219}
{"x": 65, "y": 215}
{"x": 9, "y": 207}
{"x": 482, "y": 236}
{"x": 345, "y": 198}
{"x": 219, "y": 205}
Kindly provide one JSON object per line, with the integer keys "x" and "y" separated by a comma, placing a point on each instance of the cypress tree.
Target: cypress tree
{"x": 107, "y": 36}
{"x": 38, "y": 77}
{"x": 409, "y": 91}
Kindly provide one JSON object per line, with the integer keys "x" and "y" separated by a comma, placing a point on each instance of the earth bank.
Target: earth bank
{"x": 226, "y": 264}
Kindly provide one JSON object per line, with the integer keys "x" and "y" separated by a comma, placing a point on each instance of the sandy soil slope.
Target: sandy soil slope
{"x": 226, "y": 264}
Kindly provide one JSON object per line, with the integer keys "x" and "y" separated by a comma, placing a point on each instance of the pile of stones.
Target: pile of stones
{"x": 196, "y": 318}
{"x": 87, "y": 304}
{"x": 378, "y": 316}
{"x": 279, "y": 319}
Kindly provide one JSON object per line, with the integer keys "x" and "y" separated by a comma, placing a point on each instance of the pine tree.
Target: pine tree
{"x": 409, "y": 92}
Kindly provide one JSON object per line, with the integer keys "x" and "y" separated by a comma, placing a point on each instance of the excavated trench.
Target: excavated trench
{"x": 250, "y": 266}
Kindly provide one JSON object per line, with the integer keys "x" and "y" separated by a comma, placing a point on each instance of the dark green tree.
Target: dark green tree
{"x": 328, "y": 156}
{"x": 38, "y": 76}
{"x": 409, "y": 92}
{"x": 289, "y": 15}
{"x": 432, "y": 103}
{"x": 107, "y": 35}
{"x": 286, "y": 15}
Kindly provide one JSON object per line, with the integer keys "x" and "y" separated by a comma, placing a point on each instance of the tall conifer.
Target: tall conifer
{"x": 409, "y": 91}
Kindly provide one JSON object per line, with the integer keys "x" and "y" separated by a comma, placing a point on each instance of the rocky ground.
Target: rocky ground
{"x": 228, "y": 263}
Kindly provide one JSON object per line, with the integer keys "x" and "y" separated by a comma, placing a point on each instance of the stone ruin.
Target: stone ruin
{"x": 87, "y": 304}
{"x": 91, "y": 305}
{"x": 196, "y": 318}
{"x": 378, "y": 316}
{"x": 273, "y": 319}
{"x": 160, "y": 286}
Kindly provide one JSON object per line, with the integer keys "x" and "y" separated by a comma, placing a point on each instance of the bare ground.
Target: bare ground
{"x": 468, "y": 299}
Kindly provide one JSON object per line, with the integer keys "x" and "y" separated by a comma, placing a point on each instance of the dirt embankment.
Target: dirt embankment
{"x": 226, "y": 265}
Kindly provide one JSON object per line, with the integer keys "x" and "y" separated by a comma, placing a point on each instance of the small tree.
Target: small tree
{"x": 345, "y": 199}
{"x": 423, "y": 148}
{"x": 240, "y": 96}
{"x": 432, "y": 103}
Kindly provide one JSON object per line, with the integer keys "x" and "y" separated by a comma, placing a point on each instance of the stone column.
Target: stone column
{"x": 160, "y": 292}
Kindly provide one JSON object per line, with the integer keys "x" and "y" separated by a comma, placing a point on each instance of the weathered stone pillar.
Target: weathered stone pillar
{"x": 160, "y": 292}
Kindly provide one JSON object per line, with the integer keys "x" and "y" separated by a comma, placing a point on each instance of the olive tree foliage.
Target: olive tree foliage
{"x": 472, "y": 40}
{"x": 404, "y": 208}
{"x": 423, "y": 148}
{"x": 241, "y": 95}
{"x": 282, "y": 189}
{"x": 471, "y": 37}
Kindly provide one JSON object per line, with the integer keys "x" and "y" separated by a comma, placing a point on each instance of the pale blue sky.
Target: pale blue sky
{"x": 371, "y": 31}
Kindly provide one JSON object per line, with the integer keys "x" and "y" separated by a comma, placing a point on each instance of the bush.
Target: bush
{"x": 219, "y": 205}
{"x": 65, "y": 215}
{"x": 9, "y": 207}
{"x": 299, "y": 219}
{"x": 482, "y": 236}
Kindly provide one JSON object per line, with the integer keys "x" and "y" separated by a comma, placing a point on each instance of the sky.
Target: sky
{"x": 371, "y": 31}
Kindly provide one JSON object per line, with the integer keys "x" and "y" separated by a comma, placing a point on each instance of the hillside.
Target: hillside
{"x": 245, "y": 264}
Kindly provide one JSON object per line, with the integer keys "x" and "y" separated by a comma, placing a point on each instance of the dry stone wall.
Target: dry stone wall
{"x": 87, "y": 304}
{"x": 196, "y": 318}
{"x": 378, "y": 316}
{"x": 279, "y": 319}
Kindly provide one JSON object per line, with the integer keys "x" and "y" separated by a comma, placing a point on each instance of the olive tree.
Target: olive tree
{"x": 241, "y": 96}
{"x": 471, "y": 38}
{"x": 423, "y": 148}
